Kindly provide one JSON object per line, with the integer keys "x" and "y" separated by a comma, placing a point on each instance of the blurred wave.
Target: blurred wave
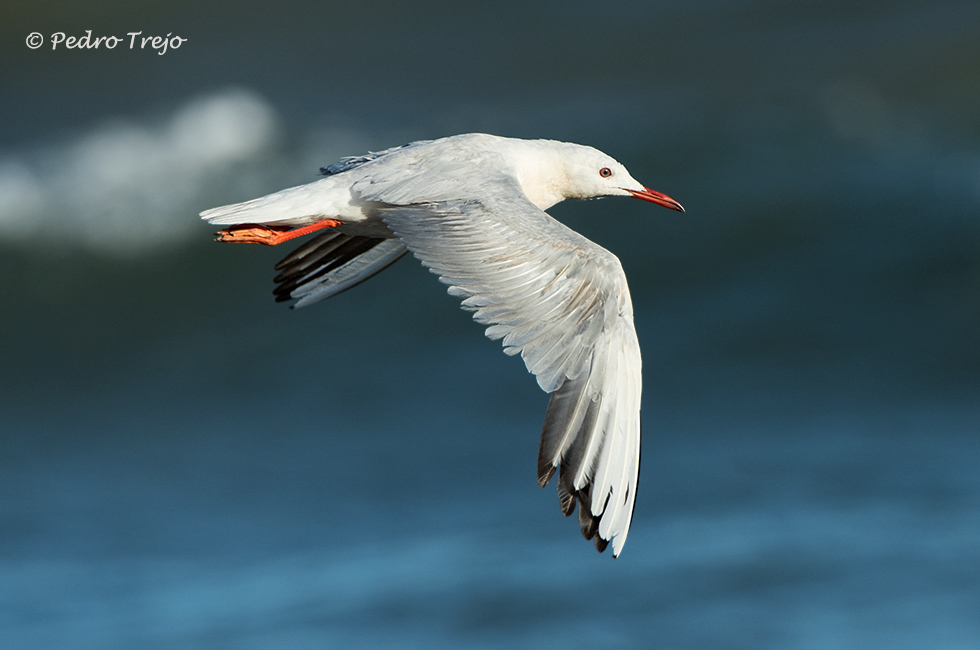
{"x": 127, "y": 184}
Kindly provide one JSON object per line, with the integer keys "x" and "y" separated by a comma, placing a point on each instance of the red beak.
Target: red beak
{"x": 656, "y": 197}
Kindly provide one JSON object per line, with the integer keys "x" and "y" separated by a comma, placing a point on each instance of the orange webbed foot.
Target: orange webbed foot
{"x": 269, "y": 234}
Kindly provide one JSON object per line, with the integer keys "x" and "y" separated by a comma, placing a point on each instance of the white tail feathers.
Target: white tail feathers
{"x": 297, "y": 204}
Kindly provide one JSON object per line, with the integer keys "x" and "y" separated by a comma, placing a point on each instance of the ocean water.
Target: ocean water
{"x": 186, "y": 464}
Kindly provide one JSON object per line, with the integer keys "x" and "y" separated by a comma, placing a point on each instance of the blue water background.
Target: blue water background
{"x": 185, "y": 464}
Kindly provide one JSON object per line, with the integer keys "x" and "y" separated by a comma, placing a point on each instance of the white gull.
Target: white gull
{"x": 471, "y": 208}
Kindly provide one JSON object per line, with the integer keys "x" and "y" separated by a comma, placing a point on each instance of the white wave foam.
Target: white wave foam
{"x": 129, "y": 185}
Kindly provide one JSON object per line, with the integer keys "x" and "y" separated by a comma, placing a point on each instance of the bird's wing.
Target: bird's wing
{"x": 350, "y": 162}
{"x": 562, "y": 302}
{"x": 459, "y": 167}
{"x": 332, "y": 262}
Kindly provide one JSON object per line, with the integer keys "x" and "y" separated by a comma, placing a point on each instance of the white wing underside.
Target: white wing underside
{"x": 562, "y": 303}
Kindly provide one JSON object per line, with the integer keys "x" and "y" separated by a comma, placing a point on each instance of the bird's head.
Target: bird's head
{"x": 588, "y": 173}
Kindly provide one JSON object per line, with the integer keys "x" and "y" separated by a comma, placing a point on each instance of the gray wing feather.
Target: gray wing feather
{"x": 460, "y": 167}
{"x": 350, "y": 162}
{"x": 562, "y": 303}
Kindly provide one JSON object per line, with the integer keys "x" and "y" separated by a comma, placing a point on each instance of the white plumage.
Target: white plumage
{"x": 471, "y": 208}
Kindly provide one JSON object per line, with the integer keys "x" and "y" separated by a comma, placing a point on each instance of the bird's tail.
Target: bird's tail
{"x": 293, "y": 206}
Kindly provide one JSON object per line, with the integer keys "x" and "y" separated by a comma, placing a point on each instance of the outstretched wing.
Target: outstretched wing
{"x": 562, "y": 303}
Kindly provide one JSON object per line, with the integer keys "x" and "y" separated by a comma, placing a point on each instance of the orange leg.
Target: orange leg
{"x": 269, "y": 234}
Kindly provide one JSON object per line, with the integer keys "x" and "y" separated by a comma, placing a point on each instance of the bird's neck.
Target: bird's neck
{"x": 542, "y": 176}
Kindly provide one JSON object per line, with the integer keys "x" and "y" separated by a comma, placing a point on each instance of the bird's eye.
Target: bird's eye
{"x": 605, "y": 172}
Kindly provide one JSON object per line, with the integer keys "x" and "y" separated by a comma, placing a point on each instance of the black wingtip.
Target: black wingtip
{"x": 588, "y": 523}
{"x": 545, "y": 472}
{"x": 601, "y": 544}
{"x": 566, "y": 501}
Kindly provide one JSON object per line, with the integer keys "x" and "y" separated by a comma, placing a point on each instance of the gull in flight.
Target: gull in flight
{"x": 471, "y": 208}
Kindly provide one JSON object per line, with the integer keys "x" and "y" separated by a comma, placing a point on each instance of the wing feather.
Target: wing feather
{"x": 332, "y": 263}
{"x": 562, "y": 303}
